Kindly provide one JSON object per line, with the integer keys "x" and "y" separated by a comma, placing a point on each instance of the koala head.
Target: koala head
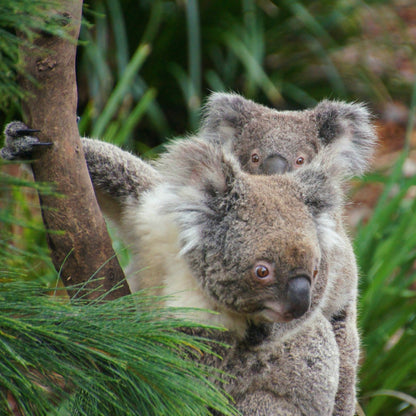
{"x": 255, "y": 243}
{"x": 267, "y": 141}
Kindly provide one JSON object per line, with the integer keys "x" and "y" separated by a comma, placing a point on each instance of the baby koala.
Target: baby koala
{"x": 267, "y": 141}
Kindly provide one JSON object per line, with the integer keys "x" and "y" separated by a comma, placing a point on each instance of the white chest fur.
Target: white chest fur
{"x": 157, "y": 262}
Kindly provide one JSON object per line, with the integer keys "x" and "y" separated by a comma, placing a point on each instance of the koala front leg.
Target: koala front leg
{"x": 347, "y": 338}
{"x": 118, "y": 177}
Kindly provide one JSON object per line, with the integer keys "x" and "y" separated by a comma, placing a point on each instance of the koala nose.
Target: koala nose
{"x": 298, "y": 296}
{"x": 274, "y": 164}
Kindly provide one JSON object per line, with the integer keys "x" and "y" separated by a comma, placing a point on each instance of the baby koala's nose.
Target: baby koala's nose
{"x": 274, "y": 164}
{"x": 298, "y": 296}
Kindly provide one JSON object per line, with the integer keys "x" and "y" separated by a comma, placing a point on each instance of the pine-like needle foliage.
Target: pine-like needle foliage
{"x": 123, "y": 357}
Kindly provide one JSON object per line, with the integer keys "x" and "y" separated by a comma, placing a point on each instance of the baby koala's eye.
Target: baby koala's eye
{"x": 262, "y": 271}
{"x": 255, "y": 158}
{"x": 300, "y": 160}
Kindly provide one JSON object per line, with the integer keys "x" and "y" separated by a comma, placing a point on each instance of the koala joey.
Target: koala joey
{"x": 267, "y": 141}
{"x": 332, "y": 137}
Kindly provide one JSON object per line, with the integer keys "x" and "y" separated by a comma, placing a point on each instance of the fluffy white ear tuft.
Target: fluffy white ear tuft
{"x": 200, "y": 164}
{"x": 198, "y": 177}
{"x": 224, "y": 116}
{"x": 347, "y": 131}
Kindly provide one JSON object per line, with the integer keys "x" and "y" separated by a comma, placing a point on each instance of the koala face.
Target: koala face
{"x": 251, "y": 241}
{"x": 282, "y": 147}
{"x": 276, "y": 142}
{"x": 267, "y": 141}
{"x": 256, "y": 257}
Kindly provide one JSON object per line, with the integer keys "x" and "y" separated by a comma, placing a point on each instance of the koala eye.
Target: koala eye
{"x": 262, "y": 271}
{"x": 300, "y": 160}
{"x": 315, "y": 272}
{"x": 255, "y": 158}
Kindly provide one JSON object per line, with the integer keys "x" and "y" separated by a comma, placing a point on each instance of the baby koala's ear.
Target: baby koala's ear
{"x": 224, "y": 116}
{"x": 346, "y": 130}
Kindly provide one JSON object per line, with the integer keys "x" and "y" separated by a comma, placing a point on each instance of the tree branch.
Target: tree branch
{"x": 84, "y": 250}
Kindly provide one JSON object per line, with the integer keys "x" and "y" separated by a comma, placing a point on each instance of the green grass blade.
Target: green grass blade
{"x": 120, "y": 90}
{"x": 134, "y": 117}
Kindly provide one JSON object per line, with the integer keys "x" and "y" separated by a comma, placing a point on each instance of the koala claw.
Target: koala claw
{"x": 19, "y": 144}
{"x": 24, "y": 132}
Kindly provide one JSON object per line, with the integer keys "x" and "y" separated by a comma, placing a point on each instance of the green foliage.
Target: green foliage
{"x": 20, "y": 20}
{"x": 123, "y": 357}
{"x": 386, "y": 249}
{"x": 287, "y": 53}
{"x": 22, "y": 235}
{"x": 116, "y": 97}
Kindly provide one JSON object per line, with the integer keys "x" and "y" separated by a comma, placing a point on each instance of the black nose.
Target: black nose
{"x": 298, "y": 296}
{"x": 274, "y": 164}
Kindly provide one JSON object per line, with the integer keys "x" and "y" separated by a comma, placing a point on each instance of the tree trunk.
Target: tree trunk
{"x": 82, "y": 253}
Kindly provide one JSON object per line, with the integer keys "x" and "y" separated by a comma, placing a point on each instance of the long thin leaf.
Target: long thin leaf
{"x": 120, "y": 90}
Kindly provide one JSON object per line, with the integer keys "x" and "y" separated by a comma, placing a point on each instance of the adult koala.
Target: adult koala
{"x": 256, "y": 249}
{"x": 267, "y": 142}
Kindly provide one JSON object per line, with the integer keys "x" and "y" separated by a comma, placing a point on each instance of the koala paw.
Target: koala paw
{"x": 18, "y": 143}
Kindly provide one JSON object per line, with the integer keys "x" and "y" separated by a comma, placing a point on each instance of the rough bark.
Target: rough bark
{"x": 82, "y": 253}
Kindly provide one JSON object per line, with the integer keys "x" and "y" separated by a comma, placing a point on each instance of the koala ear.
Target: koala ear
{"x": 347, "y": 132}
{"x": 199, "y": 164}
{"x": 224, "y": 116}
{"x": 323, "y": 195}
{"x": 198, "y": 180}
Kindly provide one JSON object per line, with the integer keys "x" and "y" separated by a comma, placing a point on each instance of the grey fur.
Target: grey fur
{"x": 119, "y": 178}
{"x": 19, "y": 144}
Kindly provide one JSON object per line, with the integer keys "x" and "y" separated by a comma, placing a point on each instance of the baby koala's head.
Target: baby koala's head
{"x": 267, "y": 141}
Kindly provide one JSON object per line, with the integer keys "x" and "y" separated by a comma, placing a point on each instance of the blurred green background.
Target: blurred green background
{"x": 144, "y": 70}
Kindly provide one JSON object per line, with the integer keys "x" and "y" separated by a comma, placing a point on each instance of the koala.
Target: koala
{"x": 263, "y": 142}
{"x": 257, "y": 250}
